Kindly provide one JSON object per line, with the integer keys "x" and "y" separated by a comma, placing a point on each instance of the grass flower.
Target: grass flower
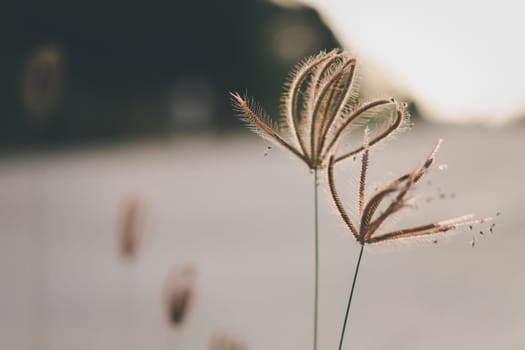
{"x": 319, "y": 106}
{"x": 130, "y": 229}
{"x": 369, "y": 221}
{"x": 179, "y": 293}
{"x": 391, "y": 198}
{"x": 320, "y": 103}
{"x": 225, "y": 342}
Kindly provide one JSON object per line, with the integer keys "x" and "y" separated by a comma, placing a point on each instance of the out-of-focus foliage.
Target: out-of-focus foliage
{"x": 75, "y": 71}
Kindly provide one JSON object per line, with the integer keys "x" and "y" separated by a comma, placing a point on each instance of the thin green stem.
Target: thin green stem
{"x": 316, "y": 288}
{"x": 350, "y": 297}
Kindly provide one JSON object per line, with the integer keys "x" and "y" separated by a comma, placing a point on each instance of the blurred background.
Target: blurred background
{"x": 137, "y": 212}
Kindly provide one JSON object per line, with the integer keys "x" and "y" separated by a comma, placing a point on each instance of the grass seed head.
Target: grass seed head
{"x": 179, "y": 293}
{"x": 319, "y": 105}
{"x": 393, "y": 196}
{"x": 224, "y": 342}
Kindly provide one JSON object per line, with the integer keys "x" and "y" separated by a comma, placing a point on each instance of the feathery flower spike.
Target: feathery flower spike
{"x": 319, "y": 104}
{"x": 225, "y": 342}
{"x": 369, "y": 222}
{"x": 179, "y": 293}
{"x": 365, "y": 231}
{"x": 130, "y": 230}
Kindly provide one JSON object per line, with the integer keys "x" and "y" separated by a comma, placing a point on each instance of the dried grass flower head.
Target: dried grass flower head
{"x": 319, "y": 105}
{"x": 131, "y": 227}
{"x": 224, "y": 342}
{"x": 399, "y": 191}
{"x": 179, "y": 293}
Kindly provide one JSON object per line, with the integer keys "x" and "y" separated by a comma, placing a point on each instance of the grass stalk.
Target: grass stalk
{"x": 316, "y": 287}
{"x": 350, "y": 297}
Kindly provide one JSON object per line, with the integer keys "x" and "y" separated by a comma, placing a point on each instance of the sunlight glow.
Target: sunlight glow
{"x": 461, "y": 60}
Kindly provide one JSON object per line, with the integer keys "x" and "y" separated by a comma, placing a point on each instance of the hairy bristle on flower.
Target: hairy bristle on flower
{"x": 339, "y": 129}
{"x": 364, "y": 169}
{"x": 329, "y": 101}
{"x": 340, "y": 101}
{"x": 397, "y": 123}
{"x": 429, "y": 229}
{"x": 402, "y": 185}
{"x": 318, "y": 105}
{"x": 366, "y": 232}
{"x": 337, "y": 200}
{"x": 418, "y": 231}
{"x": 261, "y": 127}
{"x": 465, "y": 220}
{"x": 292, "y": 108}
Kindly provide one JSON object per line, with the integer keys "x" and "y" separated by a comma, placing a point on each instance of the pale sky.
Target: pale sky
{"x": 462, "y": 60}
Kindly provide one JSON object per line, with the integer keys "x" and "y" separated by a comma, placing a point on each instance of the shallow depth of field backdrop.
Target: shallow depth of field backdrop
{"x": 112, "y": 107}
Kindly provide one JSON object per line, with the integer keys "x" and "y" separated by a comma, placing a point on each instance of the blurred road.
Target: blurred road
{"x": 245, "y": 220}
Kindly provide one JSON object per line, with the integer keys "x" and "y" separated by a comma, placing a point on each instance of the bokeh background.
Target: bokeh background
{"x": 121, "y": 162}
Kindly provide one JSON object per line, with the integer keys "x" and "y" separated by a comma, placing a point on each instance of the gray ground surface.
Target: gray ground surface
{"x": 245, "y": 220}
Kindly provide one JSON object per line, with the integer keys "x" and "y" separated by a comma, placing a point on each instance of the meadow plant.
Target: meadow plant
{"x": 179, "y": 293}
{"x": 130, "y": 227}
{"x": 384, "y": 203}
{"x": 225, "y": 342}
{"x": 319, "y": 106}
